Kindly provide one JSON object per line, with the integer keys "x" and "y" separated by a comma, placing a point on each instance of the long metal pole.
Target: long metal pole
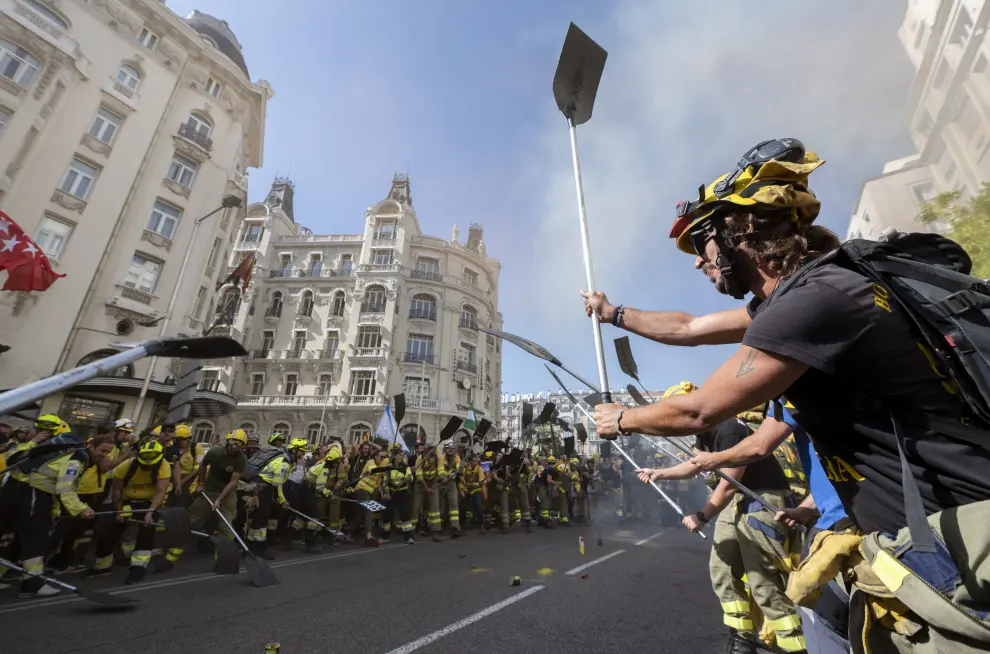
{"x": 419, "y": 414}
{"x": 136, "y": 413}
{"x": 588, "y": 269}
{"x": 323, "y": 414}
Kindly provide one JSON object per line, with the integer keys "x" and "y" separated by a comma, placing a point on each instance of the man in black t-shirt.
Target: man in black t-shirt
{"x": 748, "y": 541}
{"x": 834, "y": 343}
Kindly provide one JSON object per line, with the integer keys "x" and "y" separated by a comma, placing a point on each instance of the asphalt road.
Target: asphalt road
{"x": 644, "y": 589}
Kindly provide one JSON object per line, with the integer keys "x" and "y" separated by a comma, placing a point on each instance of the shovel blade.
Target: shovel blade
{"x": 177, "y": 527}
{"x": 206, "y": 347}
{"x": 578, "y": 74}
{"x": 106, "y": 598}
{"x": 636, "y": 395}
{"x": 373, "y": 506}
{"x": 259, "y": 572}
{"x": 228, "y": 556}
{"x": 623, "y": 352}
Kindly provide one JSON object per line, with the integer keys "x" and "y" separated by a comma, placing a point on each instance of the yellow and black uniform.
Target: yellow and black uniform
{"x": 29, "y": 500}
{"x": 136, "y": 484}
{"x": 397, "y": 493}
{"x": 313, "y": 503}
{"x": 471, "y": 484}
{"x": 425, "y": 492}
{"x": 184, "y": 463}
{"x": 544, "y": 478}
{"x": 518, "y": 485}
{"x": 562, "y": 476}
{"x": 334, "y": 473}
{"x": 447, "y": 493}
{"x": 368, "y": 487}
{"x": 265, "y": 517}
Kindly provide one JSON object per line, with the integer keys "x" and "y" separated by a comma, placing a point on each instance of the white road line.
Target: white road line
{"x": 69, "y": 599}
{"x": 587, "y": 565}
{"x": 460, "y": 624}
{"x": 648, "y": 539}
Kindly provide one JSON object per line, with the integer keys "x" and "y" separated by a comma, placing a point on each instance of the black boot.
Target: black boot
{"x": 526, "y": 525}
{"x": 261, "y": 550}
{"x": 740, "y": 645}
{"x": 135, "y": 574}
{"x": 312, "y": 547}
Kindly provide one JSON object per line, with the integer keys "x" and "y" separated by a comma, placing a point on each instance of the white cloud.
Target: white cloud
{"x": 685, "y": 92}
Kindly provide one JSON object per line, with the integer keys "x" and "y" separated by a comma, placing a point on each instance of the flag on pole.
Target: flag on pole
{"x": 389, "y": 429}
{"x": 241, "y": 273}
{"x": 470, "y": 422}
{"x": 28, "y": 269}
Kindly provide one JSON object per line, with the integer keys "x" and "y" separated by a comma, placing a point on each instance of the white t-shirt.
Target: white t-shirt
{"x": 299, "y": 472}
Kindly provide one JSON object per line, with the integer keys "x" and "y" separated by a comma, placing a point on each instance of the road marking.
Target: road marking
{"x": 648, "y": 539}
{"x": 460, "y": 624}
{"x": 595, "y": 562}
{"x": 55, "y": 601}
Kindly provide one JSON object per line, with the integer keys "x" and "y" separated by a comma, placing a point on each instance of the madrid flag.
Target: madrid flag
{"x": 28, "y": 269}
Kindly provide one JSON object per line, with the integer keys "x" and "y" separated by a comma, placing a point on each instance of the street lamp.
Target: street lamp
{"x": 228, "y": 202}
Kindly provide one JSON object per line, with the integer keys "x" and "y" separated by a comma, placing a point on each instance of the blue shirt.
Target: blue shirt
{"x": 828, "y": 502}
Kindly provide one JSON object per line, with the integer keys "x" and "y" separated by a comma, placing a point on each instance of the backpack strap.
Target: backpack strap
{"x": 914, "y": 511}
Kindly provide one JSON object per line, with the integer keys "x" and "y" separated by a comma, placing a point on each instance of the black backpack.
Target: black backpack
{"x": 259, "y": 460}
{"x": 927, "y": 277}
{"x": 28, "y": 461}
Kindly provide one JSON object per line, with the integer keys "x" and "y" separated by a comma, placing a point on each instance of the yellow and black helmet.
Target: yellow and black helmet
{"x": 679, "y": 389}
{"x": 771, "y": 177}
{"x": 151, "y": 453}
{"x": 274, "y": 437}
{"x": 183, "y": 431}
{"x": 298, "y": 444}
{"x": 237, "y": 436}
{"x": 51, "y": 422}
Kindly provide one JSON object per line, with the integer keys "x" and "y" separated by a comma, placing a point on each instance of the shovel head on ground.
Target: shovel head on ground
{"x": 177, "y": 527}
{"x": 92, "y": 595}
{"x": 259, "y": 572}
{"x": 227, "y": 559}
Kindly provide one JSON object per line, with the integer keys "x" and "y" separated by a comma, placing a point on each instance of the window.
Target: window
{"x": 210, "y": 381}
{"x": 105, "y": 126}
{"x": 17, "y": 64}
{"x": 50, "y": 15}
{"x": 338, "y": 304}
{"x": 182, "y": 170}
{"x": 314, "y": 432}
{"x": 419, "y": 348}
{"x": 143, "y": 273}
{"x": 291, "y": 384}
{"x": 51, "y": 237}
{"x": 306, "y": 306}
{"x": 275, "y": 309}
{"x": 5, "y": 116}
{"x": 79, "y": 179}
{"x": 85, "y": 414}
{"x": 358, "y": 433}
{"x": 267, "y": 342}
{"x": 326, "y": 381}
{"x": 213, "y": 253}
{"x": 252, "y": 234}
{"x": 924, "y": 192}
{"x": 315, "y": 265}
{"x": 363, "y": 383}
{"x": 200, "y": 300}
{"x": 164, "y": 218}
{"x": 423, "y": 306}
{"x": 470, "y": 277}
{"x": 283, "y": 428}
{"x": 346, "y": 264}
{"x": 125, "y": 371}
{"x": 469, "y": 317}
{"x": 417, "y": 387}
{"x": 369, "y": 337}
{"x": 470, "y": 354}
{"x": 381, "y": 257}
{"x": 431, "y": 266}
{"x": 374, "y": 300}
{"x": 385, "y": 231}
{"x": 129, "y": 77}
{"x": 213, "y": 87}
{"x": 286, "y": 260}
{"x": 333, "y": 342}
{"x": 227, "y": 308}
{"x": 199, "y": 125}
{"x": 298, "y": 344}
{"x": 147, "y": 38}
{"x": 257, "y": 384}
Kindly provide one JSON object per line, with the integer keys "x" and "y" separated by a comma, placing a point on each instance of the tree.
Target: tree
{"x": 968, "y": 224}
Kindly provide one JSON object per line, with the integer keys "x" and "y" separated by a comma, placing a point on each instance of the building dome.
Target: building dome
{"x": 220, "y": 34}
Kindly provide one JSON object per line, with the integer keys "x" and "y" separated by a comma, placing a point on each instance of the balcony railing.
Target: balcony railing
{"x": 385, "y": 237}
{"x": 295, "y": 353}
{"x": 134, "y": 294}
{"x": 333, "y": 354}
{"x": 467, "y": 366}
{"x": 369, "y": 352}
{"x": 418, "y": 357}
{"x": 201, "y": 138}
{"x": 274, "y": 312}
{"x": 469, "y": 322}
{"x": 209, "y": 385}
{"x": 424, "y": 313}
{"x": 281, "y": 272}
{"x": 363, "y": 399}
{"x": 379, "y": 267}
{"x": 427, "y": 275}
{"x": 424, "y": 403}
{"x": 314, "y": 238}
{"x": 316, "y": 401}
{"x": 263, "y": 353}
{"x": 373, "y": 308}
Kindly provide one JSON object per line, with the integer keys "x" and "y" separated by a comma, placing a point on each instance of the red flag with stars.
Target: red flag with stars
{"x": 28, "y": 269}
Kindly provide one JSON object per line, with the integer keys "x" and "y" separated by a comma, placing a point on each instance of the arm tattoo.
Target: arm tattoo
{"x": 748, "y": 365}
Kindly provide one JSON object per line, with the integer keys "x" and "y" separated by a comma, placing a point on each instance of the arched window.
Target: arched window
{"x": 358, "y": 432}
{"x": 48, "y": 13}
{"x": 17, "y": 64}
{"x": 339, "y": 300}
{"x": 469, "y": 317}
{"x": 306, "y": 305}
{"x": 423, "y": 306}
{"x": 200, "y": 124}
{"x": 374, "y": 299}
{"x": 202, "y": 432}
{"x": 129, "y": 76}
{"x": 410, "y": 432}
{"x": 275, "y": 309}
{"x": 126, "y": 371}
{"x": 283, "y": 428}
{"x": 315, "y": 432}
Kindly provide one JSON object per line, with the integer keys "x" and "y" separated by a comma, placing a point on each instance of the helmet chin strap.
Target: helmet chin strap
{"x": 725, "y": 261}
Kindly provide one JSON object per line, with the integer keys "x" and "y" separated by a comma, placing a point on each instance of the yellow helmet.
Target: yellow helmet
{"x": 683, "y": 388}
{"x": 157, "y": 430}
{"x": 238, "y": 436}
{"x": 151, "y": 453}
{"x": 771, "y": 176}
{"x": 182, "y": 431}
{"x": 51, "y": 422}
{"x": 551, "y": 459}
{"x": 333, "y": 454}
{"x": 574, "y": 461}
{"x": 274, "y": 437}
{"x": 756, "y": 414}
{"x": 298, "y": 444}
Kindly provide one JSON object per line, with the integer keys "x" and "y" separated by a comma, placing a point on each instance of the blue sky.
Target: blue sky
{"x": 459, "y": 95}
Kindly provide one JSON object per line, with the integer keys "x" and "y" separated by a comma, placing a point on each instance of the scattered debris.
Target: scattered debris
{"x": 543, "y": 572}
{"x": 474, "y": 567}
{"x": 584, "y": 576}
{"x": 514, "y": 581}
{"x": 581, "y": 544}
{"x": 462, "y": 555}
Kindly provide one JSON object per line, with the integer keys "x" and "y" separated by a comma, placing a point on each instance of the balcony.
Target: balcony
{"x": 423, "y": 314}
{"x": 201, "y": 138}
{"x": 295, "y": 354}
{"x": 466, "y": 366}
{"x": 305, "y": 314}
{"x": 373, "y": 308}
{"x": 369, "y": 352}
{"x": 281, "y": 272}
{"x": 469, "y": 322}
{"x": 263, "y": 353}
{"x": 272, "y": 314}
{"x": 426, "y": 275}
{"x": 384, "y": 238}
{"x": 417, "y": 357}
{"x": 364, "y": 399}
{"x": 330, "y": 354}
{"x": 314, "y": 401}
{"x": 380, "y": 268}
{"x": 325, "y": 238}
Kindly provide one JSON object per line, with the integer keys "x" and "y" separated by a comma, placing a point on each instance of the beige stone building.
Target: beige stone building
{"x": 949, "y": 113}
{"x": 337, "y": 324}
{"x": 121, "y": 124}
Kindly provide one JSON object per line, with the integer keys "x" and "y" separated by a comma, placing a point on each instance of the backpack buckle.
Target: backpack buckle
{"x": 961, "y": 301}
